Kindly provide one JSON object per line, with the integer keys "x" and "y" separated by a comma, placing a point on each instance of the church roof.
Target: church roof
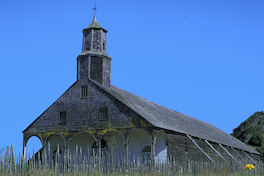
{"x": 162, "y": 117}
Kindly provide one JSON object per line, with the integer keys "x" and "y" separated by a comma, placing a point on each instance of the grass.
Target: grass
{"x": 51, "y": 172}
{"x": 78, "y": 165}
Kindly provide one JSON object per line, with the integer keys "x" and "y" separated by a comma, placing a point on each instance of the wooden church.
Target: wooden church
{"x": 104, "y": 119}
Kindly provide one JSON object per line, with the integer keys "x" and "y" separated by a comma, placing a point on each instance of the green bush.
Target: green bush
{"x": 256, "y": 139}
{"x": 261, "y": 151}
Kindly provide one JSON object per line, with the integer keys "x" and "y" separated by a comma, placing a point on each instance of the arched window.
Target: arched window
{"x": 146, "y": 153}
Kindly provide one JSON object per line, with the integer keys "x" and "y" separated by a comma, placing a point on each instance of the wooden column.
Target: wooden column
{"x": 99, "y": 155}
{"x": 153, "y": 145}
{"x": 24, "y": 147}
{"x": 126, "y": 148}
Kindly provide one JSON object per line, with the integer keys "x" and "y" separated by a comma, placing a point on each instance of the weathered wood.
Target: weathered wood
{"x": 200, "y": 149}
{"x": 228, "y": 153}
{"x": 34, "y": 159}
{"x": 13, "y": 161}
{"x": 2, "y": 158}
{"x": 237, "y": 153}
{"x": 39, "y": 161}
{"x": 215, "y": 150}
{"x": 7, "y": 158}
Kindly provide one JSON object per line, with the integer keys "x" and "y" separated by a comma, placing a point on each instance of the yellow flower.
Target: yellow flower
{"x": 249, "y": 167}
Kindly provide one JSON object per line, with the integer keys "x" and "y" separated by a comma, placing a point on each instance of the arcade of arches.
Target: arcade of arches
{"x": 138, "y": 143}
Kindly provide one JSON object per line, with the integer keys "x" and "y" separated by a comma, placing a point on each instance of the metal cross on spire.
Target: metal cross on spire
{"x": 95, "y": 9}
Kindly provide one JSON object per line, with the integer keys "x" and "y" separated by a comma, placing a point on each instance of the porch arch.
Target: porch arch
{"x": 25, "y": 143}
{"x": 54, "y": 140}
{"x": 115, "y": 143}
{"x": 28, "y": 137}
{"x": 83, "y": 139}
{"x": 138, "y": 139}
{"x": 161, "y": 146}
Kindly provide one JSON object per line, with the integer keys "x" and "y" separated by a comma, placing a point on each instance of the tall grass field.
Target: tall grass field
{"x": 44, "y": 163}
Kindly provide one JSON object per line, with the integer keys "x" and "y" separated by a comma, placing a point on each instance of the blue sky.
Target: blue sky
{"x": 201, "y": 58}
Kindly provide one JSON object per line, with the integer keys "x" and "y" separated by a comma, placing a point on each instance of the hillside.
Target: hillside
{"x": 251, "y": 132}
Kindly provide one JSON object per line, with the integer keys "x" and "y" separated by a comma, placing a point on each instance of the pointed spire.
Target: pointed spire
{"x": 94, "y": 24}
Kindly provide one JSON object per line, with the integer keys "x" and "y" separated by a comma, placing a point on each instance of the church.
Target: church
{"x": 105, "y": 120}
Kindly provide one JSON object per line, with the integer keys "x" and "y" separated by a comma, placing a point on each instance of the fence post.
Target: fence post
{"x": 39, "y": 161}
{"x": 13, "y": 159}
{"x": 2, "y": 158}
{"x": 57, "y": 159}
{"x": 75, "y": 160}
{"x": 34, "y": 160}
{"x": 19, "y": 163}
{"x": 7, "y": 158}
{"x": 44, "y": 156}
{"x": 68, "y": 161}
{"x": 64, "y": 163}
{"x": 11, "y": 162}
{"x": 25, "y": 162}
{"x": 99, "y": 155}
{"x": 29, "y": 160}
{"x": 80, "y": 159}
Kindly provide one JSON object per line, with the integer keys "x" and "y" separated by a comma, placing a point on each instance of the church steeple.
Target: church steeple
{"x": 94, "y": 36}
{"x": 94, "y": 23}
{"x": 94, "y": 62}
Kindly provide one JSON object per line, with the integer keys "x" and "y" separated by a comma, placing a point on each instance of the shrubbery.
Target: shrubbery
{"x": 256, "y": 138}
{"x": 261, "y": 151}
{"x": 250, "y": 131}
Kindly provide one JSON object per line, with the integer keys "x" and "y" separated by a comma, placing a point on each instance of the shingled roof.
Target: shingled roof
{"x": 162, "y": 117}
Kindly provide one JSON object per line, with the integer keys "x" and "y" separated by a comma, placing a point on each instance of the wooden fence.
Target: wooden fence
{"x": 78, "y": 162}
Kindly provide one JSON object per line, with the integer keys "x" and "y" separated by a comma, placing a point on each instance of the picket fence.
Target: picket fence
{"x": 78, "y": 162}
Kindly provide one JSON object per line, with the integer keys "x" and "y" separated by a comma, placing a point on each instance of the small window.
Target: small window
{"x": 87, "y": 46}
{"x": 103, "y": 46}
{"x": 84, "y": 92}
{"x": 63, "y": 118}
{"x": 104, "y": 113}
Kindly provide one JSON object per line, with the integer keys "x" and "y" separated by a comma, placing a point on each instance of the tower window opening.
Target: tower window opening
{"x": 104, "y": 113}
{"x": 103, "y": 46}
{"x": 63, "y": 117}
{"x": 84, "y": 92}
{"x": 87, "y": 46}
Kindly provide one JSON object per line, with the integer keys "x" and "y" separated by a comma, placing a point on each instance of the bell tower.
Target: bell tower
{"x": 94, "y": 63}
